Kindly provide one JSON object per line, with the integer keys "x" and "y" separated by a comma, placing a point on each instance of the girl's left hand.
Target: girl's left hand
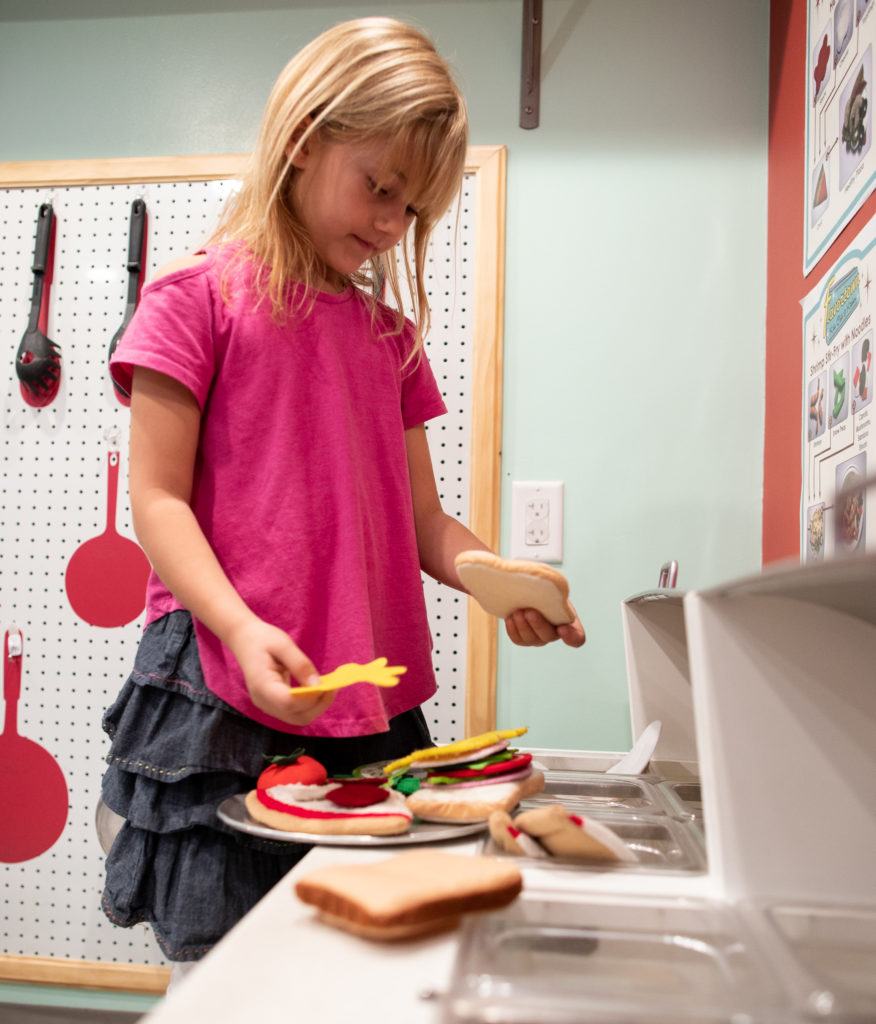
{"x": 529, "y": 628}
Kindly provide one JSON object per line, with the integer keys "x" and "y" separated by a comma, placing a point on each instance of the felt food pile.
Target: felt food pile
{"x": 467, "y": 780}
{"x": 460, "y": 783}
{"x": 545, "y": 832}
{"x": 295, "y": 794}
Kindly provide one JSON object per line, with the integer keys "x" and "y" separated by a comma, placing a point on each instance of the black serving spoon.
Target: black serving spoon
{"x": 38, "y": 360}
{"x": 136, "y": 256}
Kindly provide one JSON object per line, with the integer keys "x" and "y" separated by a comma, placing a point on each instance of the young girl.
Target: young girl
{"x": 280, "y": 478}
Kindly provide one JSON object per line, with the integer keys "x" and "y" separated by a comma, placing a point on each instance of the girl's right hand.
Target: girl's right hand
{"x": 270, "y": 659}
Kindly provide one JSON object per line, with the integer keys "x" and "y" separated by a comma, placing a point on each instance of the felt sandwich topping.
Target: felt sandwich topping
{"x": 490, "y": 770}
{"x": 459, "y": 751}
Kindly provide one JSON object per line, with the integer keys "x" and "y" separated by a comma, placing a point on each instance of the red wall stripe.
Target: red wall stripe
{"x": 786, "y": 285}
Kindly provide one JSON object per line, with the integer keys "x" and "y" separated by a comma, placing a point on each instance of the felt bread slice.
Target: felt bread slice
{"x": 568, "y": 835}
{"x": 321, "y": 817}
{"x": 412, "y": 894}
{"x": 510, "y": 839}
{"x": 460, "y": 806}
{"x": 502, "y": 586}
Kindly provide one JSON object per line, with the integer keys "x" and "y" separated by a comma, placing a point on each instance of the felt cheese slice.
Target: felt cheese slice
{"x": 460, "y": 806}
{"x": 377, "y": 672}
{"x": 457, "y": 752}
{"x": 501, "y": 586}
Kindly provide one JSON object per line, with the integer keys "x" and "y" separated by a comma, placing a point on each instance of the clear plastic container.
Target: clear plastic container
{"x": 608, "y": 959}
{"x": 597, "y": 791}
{"x": 834, "y": 951}
{"x": 658, "y": 841}
{"x": 684, "y": 800}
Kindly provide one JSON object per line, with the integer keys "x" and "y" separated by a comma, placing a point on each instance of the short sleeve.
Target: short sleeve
{"x": 171, "y": 333}
{"x": 421, "y": 396}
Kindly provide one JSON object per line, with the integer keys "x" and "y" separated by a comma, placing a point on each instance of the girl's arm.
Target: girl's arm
{"x": 440, "y": 538}
{"x": 165, "y": 425}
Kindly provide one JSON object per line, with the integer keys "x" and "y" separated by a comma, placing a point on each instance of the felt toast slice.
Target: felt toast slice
{"x": 414, "y": 893}
{"x": 502, "y": 585}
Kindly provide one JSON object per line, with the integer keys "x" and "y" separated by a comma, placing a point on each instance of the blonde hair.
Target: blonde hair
{"x": 361, "y": 80}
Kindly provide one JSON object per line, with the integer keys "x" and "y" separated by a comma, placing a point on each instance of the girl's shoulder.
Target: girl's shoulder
{"x": 181, "y": 269}
{"x": 178, "y": 267}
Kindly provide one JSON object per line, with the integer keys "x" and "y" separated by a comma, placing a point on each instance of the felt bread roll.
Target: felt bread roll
{"x": 411, "y": 894}
{"x": 568, "y": 835}
{"x": 459, "y": 806}
{"x": 502, "y": 586}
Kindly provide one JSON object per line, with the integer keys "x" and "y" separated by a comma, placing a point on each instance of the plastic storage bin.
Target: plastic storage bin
{"x": 609, "y": 959}
{"x": 597, "y": 791}
{"x": 833, "y": 958}
{"x": 684, "y": 800}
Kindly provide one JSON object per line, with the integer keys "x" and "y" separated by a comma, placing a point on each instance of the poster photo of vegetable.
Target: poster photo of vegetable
{"x": 817, "y": 417}
{"x": 838, "y": 381}
{"x": 850, "y": 504}
{"x": 856, "y": 118}
{"x": 862, "y": 373}
{"x": 815, "y": 533}
{"x": 843, "y": 26}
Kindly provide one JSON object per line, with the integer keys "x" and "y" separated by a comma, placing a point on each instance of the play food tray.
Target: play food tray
{"x": 684, "y": 799}
{"x": 606, "y": 959}
{"x": 596, "y": 791}
{"x": 659, "y": 843}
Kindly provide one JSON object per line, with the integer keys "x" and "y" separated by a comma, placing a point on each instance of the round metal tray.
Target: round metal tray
{"x": 232, "y": 811}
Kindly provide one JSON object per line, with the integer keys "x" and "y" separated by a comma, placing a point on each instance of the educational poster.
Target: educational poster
{"x": 840, "y": 158}
{"x": 838, "y": 513}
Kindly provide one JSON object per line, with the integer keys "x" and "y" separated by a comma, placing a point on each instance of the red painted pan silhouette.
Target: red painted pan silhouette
{"x": 106, "y": 577}
{"x": 33, "y": 793}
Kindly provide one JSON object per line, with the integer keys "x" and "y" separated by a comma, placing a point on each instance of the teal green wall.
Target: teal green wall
{"x": 636, "y": 256}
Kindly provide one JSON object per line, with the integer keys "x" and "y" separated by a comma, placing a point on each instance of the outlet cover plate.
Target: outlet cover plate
{"x": 537, "y": 520}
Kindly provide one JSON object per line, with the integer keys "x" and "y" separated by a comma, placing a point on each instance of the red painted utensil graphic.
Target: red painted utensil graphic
{"x": 33, "y": 793}
{"x": 106, "y": 577}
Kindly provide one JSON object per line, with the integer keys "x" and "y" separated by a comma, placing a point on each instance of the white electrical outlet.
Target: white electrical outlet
{"x": 537, "y": 520}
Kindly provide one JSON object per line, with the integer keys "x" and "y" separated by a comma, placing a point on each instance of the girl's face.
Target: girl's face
{"x": 350, "y": 209}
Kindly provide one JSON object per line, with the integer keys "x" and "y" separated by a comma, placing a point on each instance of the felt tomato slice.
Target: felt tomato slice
{"x": 303, "y": 771}
{"x": 357, "y": 795}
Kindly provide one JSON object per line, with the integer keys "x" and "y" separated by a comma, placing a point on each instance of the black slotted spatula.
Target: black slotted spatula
{"x": 136, "y": 257}
{"x": 38, "y": 360}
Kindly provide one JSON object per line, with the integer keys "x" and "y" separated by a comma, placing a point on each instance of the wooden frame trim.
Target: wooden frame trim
{"x": 486, "y": 427}
{"x": 125, "y": 170}
{"x": 49, "y": 970}
{"x": 488, "y": 164}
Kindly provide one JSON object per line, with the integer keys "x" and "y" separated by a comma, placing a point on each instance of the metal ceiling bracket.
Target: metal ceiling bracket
{"x": 530, "y": 73}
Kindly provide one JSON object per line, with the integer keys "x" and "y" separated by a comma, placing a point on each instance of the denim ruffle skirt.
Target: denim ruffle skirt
{"x": 177, "y": 752}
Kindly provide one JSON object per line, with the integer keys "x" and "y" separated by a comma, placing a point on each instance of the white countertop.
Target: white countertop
{"x": 280, "y": 960}
{"x": 281, "y": 963}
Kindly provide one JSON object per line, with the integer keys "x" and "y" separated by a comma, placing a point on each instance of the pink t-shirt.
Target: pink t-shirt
{"x": 301, "y": 481}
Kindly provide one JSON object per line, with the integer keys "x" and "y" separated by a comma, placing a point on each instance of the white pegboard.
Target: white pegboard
{"x": 54, "y": 498}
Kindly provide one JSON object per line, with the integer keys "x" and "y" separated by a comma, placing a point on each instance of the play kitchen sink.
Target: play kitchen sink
{"x": 608, "y": 959}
